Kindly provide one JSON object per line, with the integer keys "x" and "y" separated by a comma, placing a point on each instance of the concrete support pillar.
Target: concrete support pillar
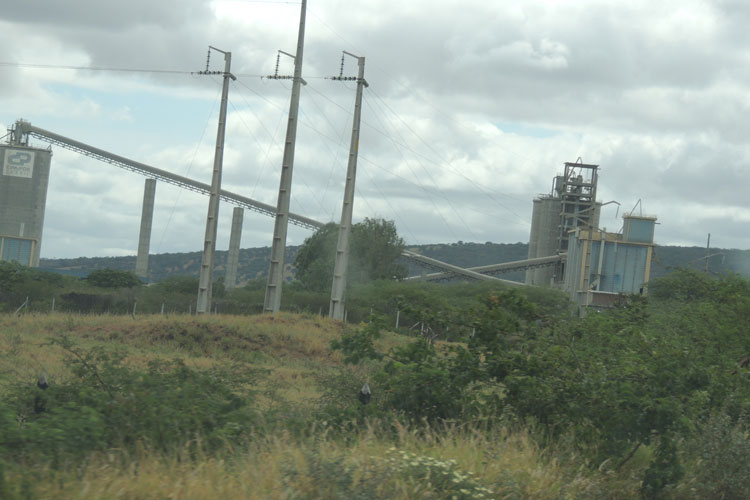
{"x": 233, "y": 256}
{"x": 144, "y": 240}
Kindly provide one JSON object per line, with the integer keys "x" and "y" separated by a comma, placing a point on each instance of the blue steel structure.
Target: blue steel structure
{"x": 602, "y": 266}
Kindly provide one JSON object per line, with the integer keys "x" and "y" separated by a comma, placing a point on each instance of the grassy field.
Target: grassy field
{"x": 308, "y": 460}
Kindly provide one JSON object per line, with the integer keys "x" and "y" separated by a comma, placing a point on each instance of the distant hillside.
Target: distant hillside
{"x": 254, "y": 262}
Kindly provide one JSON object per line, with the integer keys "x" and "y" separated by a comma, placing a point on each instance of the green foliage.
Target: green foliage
{"x": 420, "y": 384}
{"x": 177, "y": 284}
{"x": 316, "y": 257}
{"x": 108, "y": 404}
{"x": 111, "y": 278}
{"x": 645, "y": 372}
{"x": 375, "y": 248}
{"x": 663, "y": 471}
{"x": 441, "y": 478}
{"x": 374, "y": 251}
{"x": 17, "y": 282}
{"x": 720, "y": 453}
{"x": 332, "y": 477}
{"x": 359, "y": 344}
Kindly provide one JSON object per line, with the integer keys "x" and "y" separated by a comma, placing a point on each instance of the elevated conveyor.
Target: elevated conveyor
{"x": 23, "y": 130}
{"x": 487, "y": 271}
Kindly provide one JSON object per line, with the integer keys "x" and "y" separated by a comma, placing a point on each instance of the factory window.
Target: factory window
{"x": 15, "y": 249}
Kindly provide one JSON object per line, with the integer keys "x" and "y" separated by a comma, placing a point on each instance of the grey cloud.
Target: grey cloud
{"x": 94, "y": 14}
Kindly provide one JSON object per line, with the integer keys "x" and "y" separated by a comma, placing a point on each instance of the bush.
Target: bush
{"x": 720, "y": 455}
{"x": 108, "y": 404}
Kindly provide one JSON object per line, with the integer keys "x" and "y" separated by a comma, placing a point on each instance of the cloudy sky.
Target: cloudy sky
{"x": 473, "y": 106}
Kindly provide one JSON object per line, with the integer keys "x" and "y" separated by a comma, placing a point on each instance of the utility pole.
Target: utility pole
{"x": 272, "y": 301}
{"x": 209, "y": 246}
{"x": 338, "y": 288}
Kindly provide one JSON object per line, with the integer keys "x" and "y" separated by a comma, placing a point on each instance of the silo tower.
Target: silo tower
{"x": 23, "y": 195}
{"x": 571, "y": 204}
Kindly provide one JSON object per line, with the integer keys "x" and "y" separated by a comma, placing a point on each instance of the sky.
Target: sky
{"x": 472, "y": 108}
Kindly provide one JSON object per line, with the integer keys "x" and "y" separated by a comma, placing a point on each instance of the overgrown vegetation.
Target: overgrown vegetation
{"x": 646, "y": 400}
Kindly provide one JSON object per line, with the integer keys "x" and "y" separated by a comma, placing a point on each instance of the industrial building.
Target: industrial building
{"x": 23, "y": 195}
{"x": 571, "y": 204}
{"x": 601, "y": 266}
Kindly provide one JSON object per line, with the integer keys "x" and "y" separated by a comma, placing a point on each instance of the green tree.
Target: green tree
{"x": 375, "y": 248}
{"x": 111, "y": 278}
{"x": 17, "y": 282}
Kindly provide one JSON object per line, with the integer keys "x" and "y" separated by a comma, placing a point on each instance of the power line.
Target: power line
{"x": 125, "y": 70}
{"x": 406, "y": 162}
{"x": 447, "y": 163}
{"x": 94, "y": 68}
{"x": 190, "y": 167}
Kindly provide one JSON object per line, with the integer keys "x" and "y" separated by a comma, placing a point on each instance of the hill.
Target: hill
{"x": 254, "y": 262}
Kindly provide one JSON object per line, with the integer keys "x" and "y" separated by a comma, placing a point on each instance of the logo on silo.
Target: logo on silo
{"x": 18, "y": 163}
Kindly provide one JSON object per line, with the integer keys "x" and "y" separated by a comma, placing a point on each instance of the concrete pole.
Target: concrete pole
{"x": 209, "y": 247}
{"x": 144, "y": 240}
{"x": 708, "y": 251}
{"x": 338, "y": 288}
{"x": 272, "y": 301}
{"x": 233, "y": 256}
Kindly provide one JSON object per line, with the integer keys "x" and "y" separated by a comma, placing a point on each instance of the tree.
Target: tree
{"x": 111, "y": 278}
{"x": 374, "y": 251}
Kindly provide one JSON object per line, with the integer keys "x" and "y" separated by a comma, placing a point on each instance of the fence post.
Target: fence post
{"x": 25, "y": 304}
{"x": 398, "y": 316}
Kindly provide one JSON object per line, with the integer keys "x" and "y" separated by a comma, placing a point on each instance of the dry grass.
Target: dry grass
{"x": 292, "y": 349}
{"x": 509, "y": 464}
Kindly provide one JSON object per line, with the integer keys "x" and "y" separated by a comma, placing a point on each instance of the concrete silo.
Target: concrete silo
{"x": 23, "y": 195}
{"x": 571, "y": 204}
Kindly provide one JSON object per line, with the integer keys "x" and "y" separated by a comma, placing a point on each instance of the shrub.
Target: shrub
{"x": 108, "y": 404}
{"x": 720, "y": 455}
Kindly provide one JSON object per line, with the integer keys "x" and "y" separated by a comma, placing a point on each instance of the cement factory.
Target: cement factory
{"x": 594, "y": 266}
{"x": 567, "y": 250}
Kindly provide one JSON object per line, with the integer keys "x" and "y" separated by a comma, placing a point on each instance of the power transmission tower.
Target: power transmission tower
{"x": 338, "y": 288}
{"x": 276, "y": 270}
{"x": 209, "y": 246}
